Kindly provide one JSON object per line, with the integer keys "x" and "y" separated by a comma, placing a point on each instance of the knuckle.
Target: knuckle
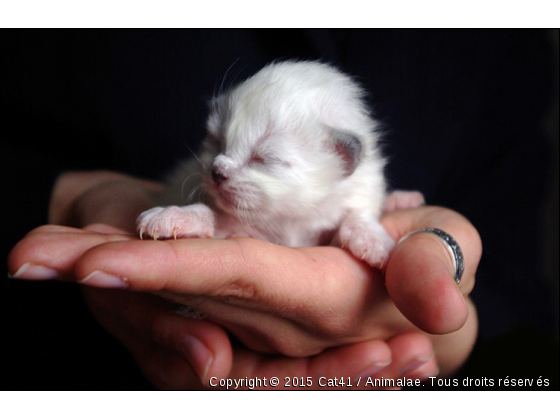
{"x": 237, "y": 289}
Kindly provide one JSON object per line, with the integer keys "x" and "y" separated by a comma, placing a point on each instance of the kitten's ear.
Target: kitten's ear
{"x": 349, "y": 148}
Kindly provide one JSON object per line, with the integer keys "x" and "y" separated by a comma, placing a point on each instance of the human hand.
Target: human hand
{"x": 168, "y": 347}
{"x": 304, "y": 339}
{"x": 175, "y": 352}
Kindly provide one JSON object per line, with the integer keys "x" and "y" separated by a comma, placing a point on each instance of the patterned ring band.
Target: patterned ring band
{"x": 451, "y": 245}
{"x": 188, "y": 312}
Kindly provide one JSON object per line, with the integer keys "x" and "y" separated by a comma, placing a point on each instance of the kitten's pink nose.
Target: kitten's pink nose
{"x": 218, "y": 177}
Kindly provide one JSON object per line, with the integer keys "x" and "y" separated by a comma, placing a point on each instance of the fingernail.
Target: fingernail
{"x": 106, "y": 281}
{"x": 30, "y": 271}
{"x": 423, "y": 375}
{"x": 374, "y": 369}
{"x": 415, "y": 364}
{"x": 197, "y": 355}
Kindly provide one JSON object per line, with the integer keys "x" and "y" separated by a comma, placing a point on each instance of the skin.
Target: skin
{"x": 293, "y": 312}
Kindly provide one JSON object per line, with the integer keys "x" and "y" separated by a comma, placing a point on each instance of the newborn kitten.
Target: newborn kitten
{"x": 290, "y": 157}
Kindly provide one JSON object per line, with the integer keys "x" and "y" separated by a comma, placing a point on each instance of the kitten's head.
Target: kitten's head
{"x": 282, "y": 141}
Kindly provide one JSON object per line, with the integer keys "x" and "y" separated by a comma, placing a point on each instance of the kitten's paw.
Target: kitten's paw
{"x": 195, "y": 221}
{"x": 368, "y": 242}
{"x": 400, "y": 200}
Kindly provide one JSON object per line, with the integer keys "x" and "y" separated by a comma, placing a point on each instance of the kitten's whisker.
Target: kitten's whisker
{"x": 195, "y": 155}
{"x": 246, "y": 222}
{"x": 272, "y": 227}
{"x": 221, "y": 90}
{"x": 185, "y": 181}
{"x": 194, "y": 190}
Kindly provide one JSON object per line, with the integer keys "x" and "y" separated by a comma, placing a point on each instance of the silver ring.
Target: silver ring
{"x": 451, "y": 245}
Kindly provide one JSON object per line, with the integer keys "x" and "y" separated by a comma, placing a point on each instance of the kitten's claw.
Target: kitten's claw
{"x": 382, "y": 264}
{"x": 195, "y": 221}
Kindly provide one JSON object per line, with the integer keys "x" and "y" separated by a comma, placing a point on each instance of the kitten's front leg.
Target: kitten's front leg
{"x": 194, "y": 221}
{"x": 364, "y": 236}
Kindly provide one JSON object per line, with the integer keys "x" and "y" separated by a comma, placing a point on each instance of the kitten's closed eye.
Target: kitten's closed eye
{"x": 257, "y": 159}
{"x": 265, "y": 160}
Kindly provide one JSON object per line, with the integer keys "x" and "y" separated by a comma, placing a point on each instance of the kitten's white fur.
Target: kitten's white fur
{"x": 290, "y": 157}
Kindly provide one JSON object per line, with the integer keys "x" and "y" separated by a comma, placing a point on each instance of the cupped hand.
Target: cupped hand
{"x": 297, "y": 302}
{"x": 177, "y": 352}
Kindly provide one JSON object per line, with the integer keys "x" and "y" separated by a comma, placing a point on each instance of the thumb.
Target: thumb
{"x": 420, "y": 273}
{"x": 419, "y": 279}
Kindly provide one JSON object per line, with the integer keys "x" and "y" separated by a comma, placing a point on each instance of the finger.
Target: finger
{"x": 420, "y": 272}
{"x": 50, "y": 252}
{"x": 244, "y": 271}
{"x": 161, "y": 366}
{"x": 350, "y": 362}
{"x": 136, "y": 317}
{"x": 105, "y": 229}
{"x": 413, "y": 358}
{"x": 400, "y": 223}
{"x": 204, "y": 346}
{"x": 425, "y": 371}
{"x": 166, "y": 371}
{"x": 361, "y": 360}
{"x": 420, "y": 282}
{"x": 261, "y": 331}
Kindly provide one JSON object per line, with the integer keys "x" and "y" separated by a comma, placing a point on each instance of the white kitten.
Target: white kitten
{"x": 290, "y": 157}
